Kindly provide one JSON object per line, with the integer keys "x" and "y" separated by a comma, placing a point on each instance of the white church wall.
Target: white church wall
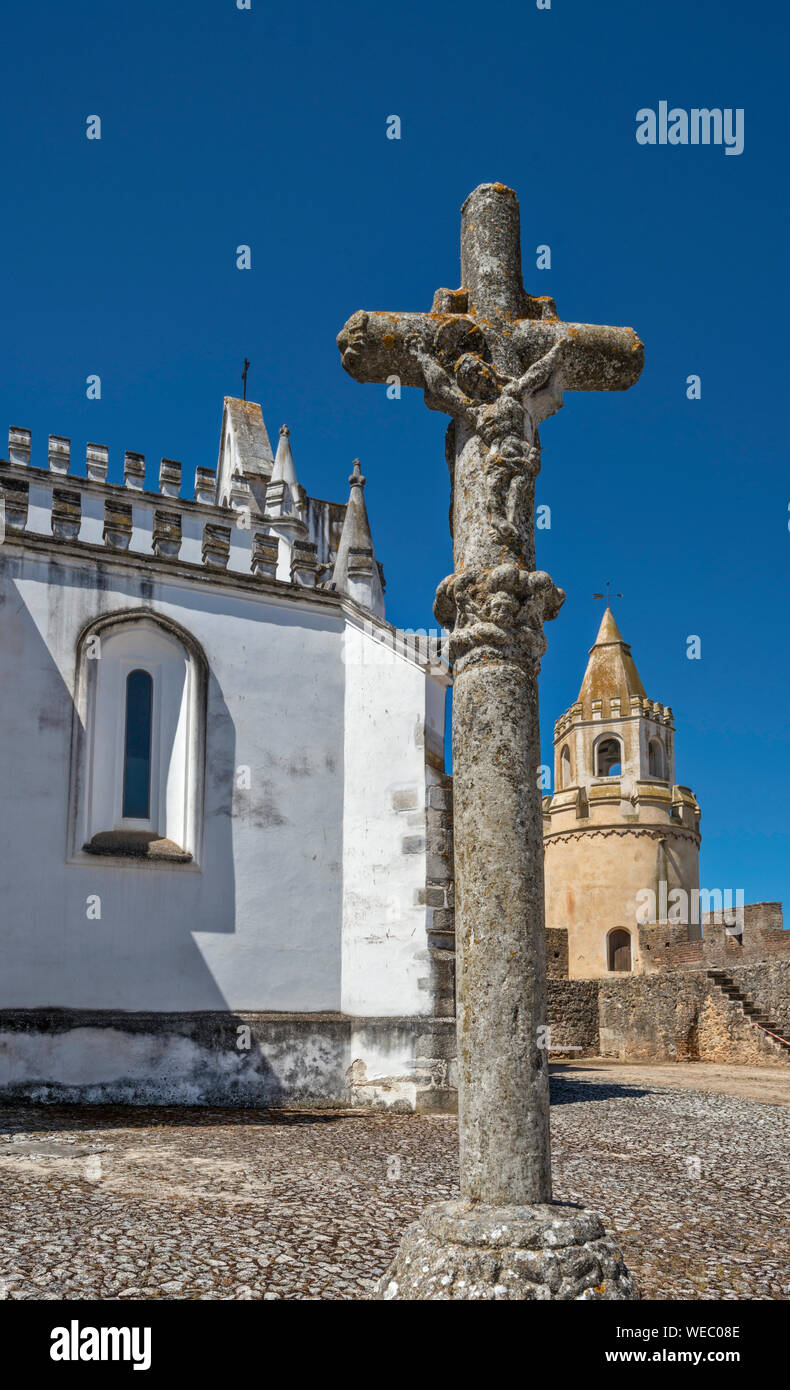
{"x": 392, "y": 705}
{"x": 257, "y": 925}
{"x": 292, "y": 755}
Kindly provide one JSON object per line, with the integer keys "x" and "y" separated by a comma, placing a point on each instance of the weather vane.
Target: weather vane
{"x": 608, "y": 594}
{"x": 244, "y": 378}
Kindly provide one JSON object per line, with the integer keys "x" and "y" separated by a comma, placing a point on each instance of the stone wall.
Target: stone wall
{"x": 768, "y": 986}
{"x": 679, "y": 1016}
{"x": 725, "y": 1035}
{"x": 557, "y": 953}
{"x": 572, "y": 1010}
{"x": 663, "y": 946}
{"x": 439, "y": 892}
{"x": 650, "y": 1017}
{"x": 761, "y": 939}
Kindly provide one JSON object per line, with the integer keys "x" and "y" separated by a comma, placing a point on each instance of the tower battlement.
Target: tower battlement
{"x": 611, "y": 707}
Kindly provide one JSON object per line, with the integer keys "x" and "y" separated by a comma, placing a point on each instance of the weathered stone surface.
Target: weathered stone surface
{"x": 572, "y": 1015}
{"x": 468, "y": 1250}
{"x": 678, "y": 1015}
{"x": 496, "y": 361}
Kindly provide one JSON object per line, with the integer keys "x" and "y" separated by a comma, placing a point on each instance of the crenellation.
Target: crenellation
{"x": 304, "y": 565}
{"x": 297, "y": 545}
{"x": 205, "y": 486}
{"x": 66, "y": 514}
{"x": 134, "y": 471}
{"x": 59, "y": 454}
{"x": 167, "y": 534}
{"x": 19, "y": 446}
{"x": 265, "y": 554}
{"x": 16, "y": 495}
{"x": 117, "y": 531}
{"x": 97, "y": 459}
{"x": 169, "y": 478}
{"x": 216, "y": 545}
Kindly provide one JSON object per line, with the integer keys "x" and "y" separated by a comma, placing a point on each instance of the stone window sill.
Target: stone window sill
{"x": 137, "y": 844}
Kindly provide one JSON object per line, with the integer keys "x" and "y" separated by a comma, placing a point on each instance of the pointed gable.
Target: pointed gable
{"x": 244, "y": 447}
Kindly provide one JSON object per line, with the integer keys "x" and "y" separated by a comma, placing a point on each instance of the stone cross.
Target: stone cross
{"x": 497, "y": 361}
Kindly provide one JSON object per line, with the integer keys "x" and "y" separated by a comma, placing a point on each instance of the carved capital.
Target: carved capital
{"x": 497, "y": 614}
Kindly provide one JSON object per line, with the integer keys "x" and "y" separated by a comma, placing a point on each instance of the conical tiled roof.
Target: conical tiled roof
{"x": 610, "y": 670}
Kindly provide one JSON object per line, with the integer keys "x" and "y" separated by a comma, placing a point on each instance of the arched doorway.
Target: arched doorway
{"x": 619, "y": 950}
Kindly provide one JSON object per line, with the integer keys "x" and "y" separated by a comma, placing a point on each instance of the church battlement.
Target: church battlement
{"x": 248, "y": 516}
{"x": 56, "y": 504}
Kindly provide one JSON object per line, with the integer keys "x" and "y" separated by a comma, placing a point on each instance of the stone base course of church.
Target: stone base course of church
{"x": 395, "y": 1064}
{"x": 99, "y": 1057}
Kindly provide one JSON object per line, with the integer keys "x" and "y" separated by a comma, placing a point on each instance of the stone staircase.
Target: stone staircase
{"x": 751, "y": 1011}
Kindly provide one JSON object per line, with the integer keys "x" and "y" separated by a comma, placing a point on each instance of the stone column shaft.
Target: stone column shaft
{"x": 503, "y": 1087}
{"x": 503, "y": 1091}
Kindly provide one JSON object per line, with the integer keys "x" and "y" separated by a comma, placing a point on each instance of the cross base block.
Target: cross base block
{"x": 466, "y": 1250}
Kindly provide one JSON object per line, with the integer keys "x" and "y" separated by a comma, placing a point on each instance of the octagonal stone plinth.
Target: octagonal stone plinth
{"x": 466, "y": 1250}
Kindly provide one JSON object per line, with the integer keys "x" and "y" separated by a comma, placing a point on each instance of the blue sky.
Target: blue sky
{"x": 268, "y": 127}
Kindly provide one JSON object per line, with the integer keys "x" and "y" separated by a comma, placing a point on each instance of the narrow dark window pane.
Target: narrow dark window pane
{"x": 137, "y": 749}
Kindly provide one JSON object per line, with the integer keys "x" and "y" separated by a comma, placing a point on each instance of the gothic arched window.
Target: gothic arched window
{"x": 608, "y": 758}
{"x": 565, "y": 767}
{"x": 138, "y": 748}
{"x": 137, "y": 745}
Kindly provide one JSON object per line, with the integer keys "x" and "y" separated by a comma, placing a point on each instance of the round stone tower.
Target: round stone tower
{"x": 618, "y": 828}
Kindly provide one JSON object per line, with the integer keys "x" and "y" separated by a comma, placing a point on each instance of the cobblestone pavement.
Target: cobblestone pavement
{"x": 177, "y": 1203}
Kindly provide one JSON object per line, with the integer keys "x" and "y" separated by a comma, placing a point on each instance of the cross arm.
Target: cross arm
{"x": 595, "y": 357}
{"x": 375, "y": 346}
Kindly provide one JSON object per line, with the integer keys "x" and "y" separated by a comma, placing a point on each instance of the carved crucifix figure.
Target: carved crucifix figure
{"x": 497, "y": 361}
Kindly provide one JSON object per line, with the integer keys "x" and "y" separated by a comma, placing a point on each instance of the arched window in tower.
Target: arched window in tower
{"x": 565, "y": 767}
{"x": 619, "y": 950}
{"x": 655, "y": 759}
{"x": 608, "y": 758}
{"x": 137, "y": 746}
